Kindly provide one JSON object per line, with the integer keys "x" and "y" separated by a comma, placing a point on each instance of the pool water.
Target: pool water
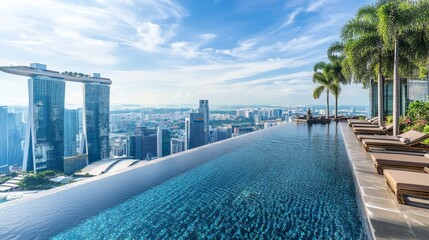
{"x": 295, "y": 183}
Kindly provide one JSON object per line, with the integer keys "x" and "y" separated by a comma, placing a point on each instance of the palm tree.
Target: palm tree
{"x": 365, "y": 50}
{"x": 418, "y": 38}
{"x": 336, "y": 56}
{"x": 335, "y": 89}
{"x": 395, "y": 18}
{"x": 323, "y": 75}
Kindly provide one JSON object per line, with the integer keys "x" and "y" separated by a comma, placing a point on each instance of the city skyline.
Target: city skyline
{"x": 178, "y": 51}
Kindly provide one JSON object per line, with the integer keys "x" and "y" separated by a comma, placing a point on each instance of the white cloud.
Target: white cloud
{"x": 207, "y": 36}
{"x": 91, "y": 32}
{"x": 149, "y": 37}
{"x": 315, "y": 5}
{"x": 153, "y": 56}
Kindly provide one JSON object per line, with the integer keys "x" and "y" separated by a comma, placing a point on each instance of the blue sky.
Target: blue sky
{"x": 175, "y": 52}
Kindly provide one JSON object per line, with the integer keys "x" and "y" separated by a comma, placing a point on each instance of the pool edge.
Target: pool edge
{"x": 359, "y": 197}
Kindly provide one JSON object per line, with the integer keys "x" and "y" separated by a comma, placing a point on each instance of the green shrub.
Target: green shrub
{"x": 418, "y": 125}
{"x": 426, "y": 130}
{"x": 4, "y": 179}
{"x": 418, "y": 110}
{"x": 389, "y": 120}
{"x": 47, "y": 173}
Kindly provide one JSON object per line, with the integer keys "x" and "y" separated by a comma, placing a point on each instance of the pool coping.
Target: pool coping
{"x": 386, "y": 219}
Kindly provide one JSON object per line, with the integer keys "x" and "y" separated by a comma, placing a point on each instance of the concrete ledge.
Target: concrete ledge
{"x": 386, "y": 218}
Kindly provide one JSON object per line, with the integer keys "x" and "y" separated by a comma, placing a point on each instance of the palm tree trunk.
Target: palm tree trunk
{"x": 380, "y": 93}
{"x": 327, "y": 104}
{"x": 336, "y": 107}
{"x": 396, "y": 93}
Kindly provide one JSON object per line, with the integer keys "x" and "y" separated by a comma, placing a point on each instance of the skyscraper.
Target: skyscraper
{"x": 177, "y": 145}
{"x": 163, "y": 139}
{"x": 145, "y": 143}
{"x": 204, "y": 109}
{"x": 44, "y": 143}
{"x": 3, "y": 136}
{"x": 14, "y": 148}
{"x": 71, "y": 128}
{"x": 96, "y": 121}
{"x": 44, "y": 139}
{"x": 194, "y": 130}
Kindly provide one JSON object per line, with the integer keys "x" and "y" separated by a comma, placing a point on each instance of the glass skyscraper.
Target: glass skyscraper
{"x": 96, "y": 120}
{"x": 44, "y": 145}
{"x": 163, "y": 145}
{"x": 194, "y": 128}
{"x": 14, "y": 149}
{"x": 204, "y": 109}
{"x": 3, "y": 136}
{"x": 45, "y": 135}
{"x": 71, "y": 128}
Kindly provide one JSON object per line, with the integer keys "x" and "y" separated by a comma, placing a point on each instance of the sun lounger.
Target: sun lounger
{"x": 403, "y": 183}
{"x": 411, "y": 143}
{"x": 357, "y": 121}
{"x": 386, "y": 137}
{"x": 369, "y": 125}
{"x": 378, "y": 130}
{"x": 405, "y": 162}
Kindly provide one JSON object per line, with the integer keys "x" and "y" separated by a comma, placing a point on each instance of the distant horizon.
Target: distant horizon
{"x": 178, "y": 51}
{"x": 195, "y": 105}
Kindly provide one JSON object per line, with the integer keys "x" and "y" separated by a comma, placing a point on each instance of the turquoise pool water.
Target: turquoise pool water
{"x": 294, "y": 183}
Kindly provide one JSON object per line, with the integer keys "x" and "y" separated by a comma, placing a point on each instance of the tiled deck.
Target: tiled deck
{"x": 387, "y": 219}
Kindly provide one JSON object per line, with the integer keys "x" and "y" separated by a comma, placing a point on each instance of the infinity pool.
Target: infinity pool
{"x": 291, "y": 181}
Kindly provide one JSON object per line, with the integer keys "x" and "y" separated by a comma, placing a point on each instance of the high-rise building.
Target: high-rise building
{"x": 96, "y": 121}
{"x": 71, "y": 128}
{"x": 3, "y": 136}
{"x": 145, "y": 143}
{"x": 219, "y": 134}
{"x": 204, "y": 109}
{"x": 194, "y": 130}
{"x": 14, "y": 148}
{"x": 131, "y": 147}
{"x": 277, "y": 113}
{"x": 44, "y": 143}
{"x": 44, "y": 139}
{"x": 163, "y": 145}
{"x": 177, "y": 145}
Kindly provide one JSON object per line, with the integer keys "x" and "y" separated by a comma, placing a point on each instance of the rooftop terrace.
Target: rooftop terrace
{"x": 40, "y": 70}
{"x": 387, "y": 218}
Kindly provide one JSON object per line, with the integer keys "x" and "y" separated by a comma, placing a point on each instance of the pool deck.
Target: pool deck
{"x": 386, "y": 218}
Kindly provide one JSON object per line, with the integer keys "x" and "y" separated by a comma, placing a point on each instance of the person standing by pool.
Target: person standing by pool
{"x": 309, "y": 115}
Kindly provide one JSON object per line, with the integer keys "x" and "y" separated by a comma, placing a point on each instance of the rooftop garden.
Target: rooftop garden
{"x": 39, "y": 181}
{"x": 387, "y": 39}
{"x": 76, "y": 74}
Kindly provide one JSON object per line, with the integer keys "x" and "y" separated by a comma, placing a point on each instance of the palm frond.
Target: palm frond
{"x": 318, "y": 91}
{"x": 319, "y": 66}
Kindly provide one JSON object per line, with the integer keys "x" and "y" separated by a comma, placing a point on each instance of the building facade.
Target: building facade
{"x": 145, "y": 143}
{"x": 410, "y": 90}
{"x": 194, "y": 130}
{"x": 204, "y": 109}
{"x": 177, "y": 145}
{"x": 96, "y": 121}
{"x": 71, "y": 130}
{"x": 163, "y": 142}
{"x": 3, "y": 136}
{"x": 44, "y": 143}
